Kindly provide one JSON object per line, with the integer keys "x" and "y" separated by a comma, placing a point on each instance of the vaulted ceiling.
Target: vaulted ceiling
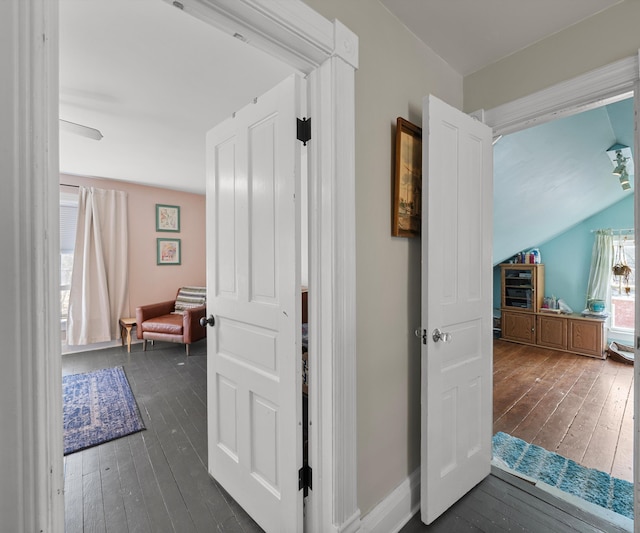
{"x": 553, "y": 176}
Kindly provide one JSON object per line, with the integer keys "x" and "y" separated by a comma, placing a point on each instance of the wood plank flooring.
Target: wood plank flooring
{"x": 155, "y": 480}
{"x": 577, "y": 406}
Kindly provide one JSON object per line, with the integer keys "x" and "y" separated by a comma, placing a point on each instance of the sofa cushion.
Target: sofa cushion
{"x": 170, "y": 324}
{"x": 189, "y": 297}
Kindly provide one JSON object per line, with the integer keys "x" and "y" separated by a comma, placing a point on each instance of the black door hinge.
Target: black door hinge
{"x": 304, "y": 479}
{"x": 304, "y": 130}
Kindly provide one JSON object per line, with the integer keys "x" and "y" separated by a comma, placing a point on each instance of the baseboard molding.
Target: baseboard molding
{"x": 352, "y": 525}
{"x": 392, "y": 513}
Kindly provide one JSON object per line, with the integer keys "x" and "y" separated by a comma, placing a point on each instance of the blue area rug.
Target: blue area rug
{"x": 591, "y": 485}
{"x": 98, "y": 407}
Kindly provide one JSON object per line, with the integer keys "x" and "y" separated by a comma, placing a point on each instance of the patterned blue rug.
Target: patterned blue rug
{"x": 591, "y": 485}
{"x": 98, "y": 407}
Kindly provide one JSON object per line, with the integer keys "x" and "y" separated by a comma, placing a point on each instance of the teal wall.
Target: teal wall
{"x": 567, "y": 257}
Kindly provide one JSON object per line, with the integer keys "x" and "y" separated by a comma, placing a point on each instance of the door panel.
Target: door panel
{"x": 254, "y": 357}
{"x": 457, "y": 300}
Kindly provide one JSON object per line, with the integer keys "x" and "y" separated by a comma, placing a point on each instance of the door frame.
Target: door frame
{"x": 610, "y": 83}
{"x": 327, "y": 52}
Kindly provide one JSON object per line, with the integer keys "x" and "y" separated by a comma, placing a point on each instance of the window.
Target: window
{"x": 68, "y": 220}
{"x": 623, "y": 286}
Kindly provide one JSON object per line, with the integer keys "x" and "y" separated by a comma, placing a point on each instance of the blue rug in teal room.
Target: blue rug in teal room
{"x": 98, "y": 407}
{"x": 587, "y": 483}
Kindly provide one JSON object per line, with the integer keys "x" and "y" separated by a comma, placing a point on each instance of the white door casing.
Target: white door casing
{"x": 291, "y": 30}
{"x": 254, "y": 390}
{"x": 457, "y": 237}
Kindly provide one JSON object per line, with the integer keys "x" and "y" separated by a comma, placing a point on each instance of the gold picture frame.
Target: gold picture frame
{"x": 407, "y": 199}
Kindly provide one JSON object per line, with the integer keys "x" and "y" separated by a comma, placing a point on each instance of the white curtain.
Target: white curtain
{"x": 99, "y": 280}
{"x": 601, "y": 263}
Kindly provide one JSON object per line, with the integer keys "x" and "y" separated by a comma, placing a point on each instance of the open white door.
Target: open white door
{"x": 457, "y": 170}
{"x": 253, "y": 292}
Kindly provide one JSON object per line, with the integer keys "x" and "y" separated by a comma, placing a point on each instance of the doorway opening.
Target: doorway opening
{"x": 578, "y": 406}
{"x": 75, "y": 85}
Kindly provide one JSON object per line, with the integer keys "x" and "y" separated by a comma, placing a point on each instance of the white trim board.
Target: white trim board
{"x": 596, "y": 88}
{"x": 288, "y": 29}
{"x": 392, "y": 513}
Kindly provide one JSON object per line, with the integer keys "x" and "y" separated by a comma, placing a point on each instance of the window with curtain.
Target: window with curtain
{"x": 68, "y": 221}
{"x": 623, "y": 283}
{"x": 99, "y": 293}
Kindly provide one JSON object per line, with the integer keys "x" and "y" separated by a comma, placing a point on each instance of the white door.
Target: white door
{"x": 253, "y": 292}
{"x": 456, "y": 392}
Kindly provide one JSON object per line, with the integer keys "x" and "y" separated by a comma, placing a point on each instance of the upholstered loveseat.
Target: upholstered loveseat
{"x": 174, "y": 320}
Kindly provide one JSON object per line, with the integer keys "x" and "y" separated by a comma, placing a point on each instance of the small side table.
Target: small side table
{"x": 126, "y": 325}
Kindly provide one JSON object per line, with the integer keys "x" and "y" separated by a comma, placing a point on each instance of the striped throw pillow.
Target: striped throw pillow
{"x": 189, "y": 297}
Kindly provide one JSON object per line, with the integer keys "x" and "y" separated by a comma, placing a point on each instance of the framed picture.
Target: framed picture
{"x": 168, "y": 251}
{"x": 167, "y": 217}
{"x": 407, "y": 199}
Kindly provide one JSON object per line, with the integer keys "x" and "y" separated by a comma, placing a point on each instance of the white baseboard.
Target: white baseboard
{"x": 392, "y": 513}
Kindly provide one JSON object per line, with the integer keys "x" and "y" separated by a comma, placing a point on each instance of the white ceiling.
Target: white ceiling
{"x": 153, "y": 80}
{"x": 471, "y": 34}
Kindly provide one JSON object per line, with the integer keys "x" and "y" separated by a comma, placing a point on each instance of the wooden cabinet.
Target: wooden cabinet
{"x": 522, "y": 287}
{"x": 524, "y": 321}
{"x": 568, "y": 333}
{"x": 519, "y": 327}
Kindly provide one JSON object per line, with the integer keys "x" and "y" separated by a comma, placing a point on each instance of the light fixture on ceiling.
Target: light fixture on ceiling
{"x": 620, "y": 156}
{"x": 79, "y": 129}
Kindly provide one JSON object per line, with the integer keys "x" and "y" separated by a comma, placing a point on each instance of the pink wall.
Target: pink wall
{"x": 149, "y": 282}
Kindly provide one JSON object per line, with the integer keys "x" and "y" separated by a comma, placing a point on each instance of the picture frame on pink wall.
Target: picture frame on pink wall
{"x": 167, "y": 218}
{"x": 168, "y": 251}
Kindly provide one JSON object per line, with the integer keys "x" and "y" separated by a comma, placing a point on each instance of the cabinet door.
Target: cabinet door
{"x": 519, "y": 327}
{"x": 586, "y": 337}
{"x": 522, "y": 287}
{"x": 552, "y": 332}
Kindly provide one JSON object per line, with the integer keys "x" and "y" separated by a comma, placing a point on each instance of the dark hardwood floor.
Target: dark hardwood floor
{"x": 577, "y": 406}
{"x": 155, "y": 480}
{"x": 502, "y": 502}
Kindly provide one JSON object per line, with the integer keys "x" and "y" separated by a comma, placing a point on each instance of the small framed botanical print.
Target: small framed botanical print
{"x": 167, "y": 217}
{"x": 168, "y": 252}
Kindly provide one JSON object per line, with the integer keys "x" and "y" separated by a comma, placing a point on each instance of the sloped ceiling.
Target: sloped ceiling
{"x": 553, "y": 176}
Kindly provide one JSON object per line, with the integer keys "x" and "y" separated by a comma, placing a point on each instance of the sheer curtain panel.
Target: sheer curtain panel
{"x": 601, "y": 263}
{"x": 99, "y": 281}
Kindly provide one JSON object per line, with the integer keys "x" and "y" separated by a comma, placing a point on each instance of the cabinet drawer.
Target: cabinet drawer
{"x": 519, "y": 327}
